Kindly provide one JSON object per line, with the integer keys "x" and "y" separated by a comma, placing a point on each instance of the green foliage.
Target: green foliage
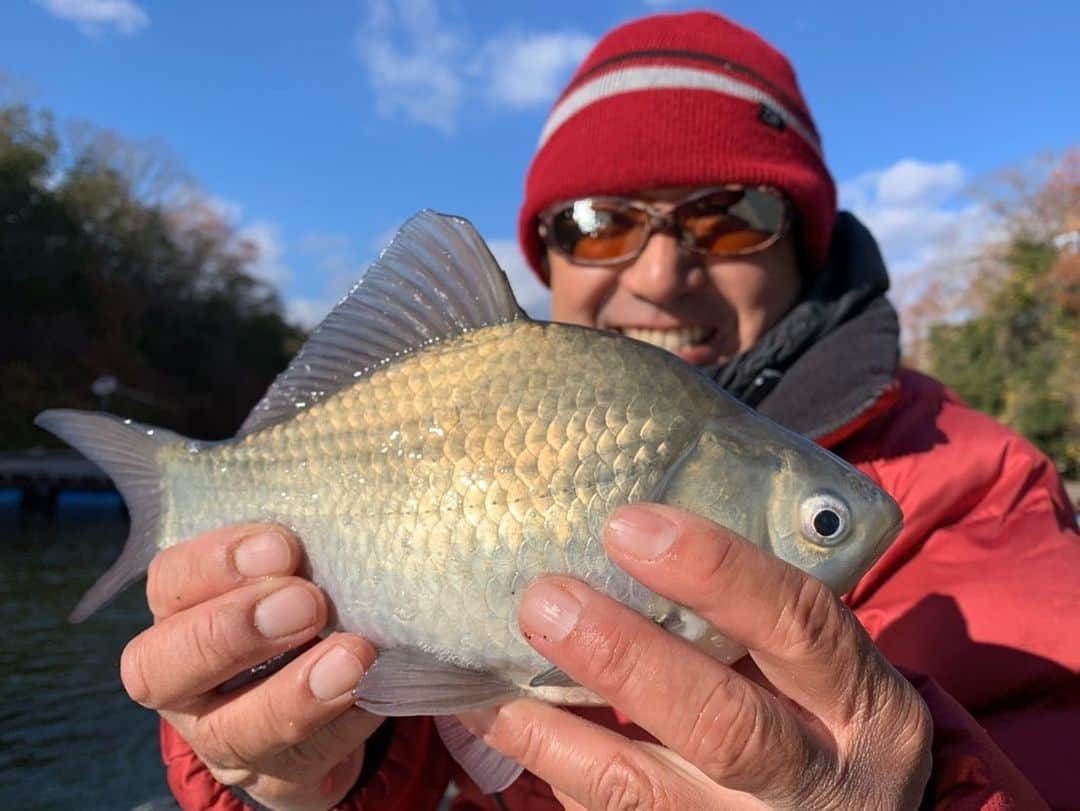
{"x": 97, "y": 280}
{"x": 1016, "y": 358}
{"x": 965, "y": 357}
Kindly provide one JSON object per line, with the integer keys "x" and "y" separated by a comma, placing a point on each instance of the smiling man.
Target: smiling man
{"x": 679, "y": 196}
{"x": 700, "y": 272}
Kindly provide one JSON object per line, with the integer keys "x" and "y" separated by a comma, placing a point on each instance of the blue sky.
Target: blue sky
{"x": 318, "y": 128}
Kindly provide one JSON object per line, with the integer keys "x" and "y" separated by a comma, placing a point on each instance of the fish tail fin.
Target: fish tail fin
{"x": 127, "y": 452}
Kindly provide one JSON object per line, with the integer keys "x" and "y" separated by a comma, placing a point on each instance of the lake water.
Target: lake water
{"x": 69, "y": 736}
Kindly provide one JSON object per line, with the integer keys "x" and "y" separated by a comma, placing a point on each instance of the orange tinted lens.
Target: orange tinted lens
{"x": 599, "y": 231}
{"x": 729, "y": 235}
{"x": 728, "y": 222}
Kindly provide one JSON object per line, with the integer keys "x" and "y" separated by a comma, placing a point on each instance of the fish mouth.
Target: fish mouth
{"x": 888, "y": 536}
{"x": 866, "y": 561}
{"x": 893, "y": 531}
{"x": 897, "y": 525}
{"x": 671, "y": 338}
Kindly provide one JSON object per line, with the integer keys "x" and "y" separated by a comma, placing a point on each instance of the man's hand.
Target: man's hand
{"x": 818, "y": 719}
{"x": 222, "y": 603}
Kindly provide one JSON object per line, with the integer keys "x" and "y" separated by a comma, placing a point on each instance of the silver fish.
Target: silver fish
{"x": 437, "y": 450}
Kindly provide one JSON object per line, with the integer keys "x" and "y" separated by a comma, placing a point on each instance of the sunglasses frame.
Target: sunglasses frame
{"x": 662, "y": 221}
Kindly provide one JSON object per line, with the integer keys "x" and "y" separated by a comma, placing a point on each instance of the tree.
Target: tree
{"x": 109, "y": 265}
{"x": 1015, "y": 354}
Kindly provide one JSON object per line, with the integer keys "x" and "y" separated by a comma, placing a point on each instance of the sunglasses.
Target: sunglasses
{"x": 722, "y": 221}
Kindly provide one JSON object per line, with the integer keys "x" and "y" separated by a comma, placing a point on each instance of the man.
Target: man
{"x": 679, "y": 196}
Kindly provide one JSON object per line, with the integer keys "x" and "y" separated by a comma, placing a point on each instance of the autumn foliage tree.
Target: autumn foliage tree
{"x": 110, "y": 266}
{"x": 1013, "y": 348}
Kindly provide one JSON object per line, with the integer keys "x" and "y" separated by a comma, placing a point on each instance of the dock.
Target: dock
{"x": 41, "y": 475}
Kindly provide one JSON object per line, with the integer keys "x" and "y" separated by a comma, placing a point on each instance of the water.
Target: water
{"x": 69, "y": 736}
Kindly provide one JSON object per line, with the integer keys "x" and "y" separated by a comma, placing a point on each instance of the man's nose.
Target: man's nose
{"x": 661, "y": 274}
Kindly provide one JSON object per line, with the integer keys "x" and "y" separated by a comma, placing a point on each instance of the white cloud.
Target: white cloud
{"x": 527, "y": 70}
{"x": 411, "y": 63}
{"x": 911, "y": 181}
{"x": 93, "y": 15}
{"x": 906, "y": 183}
{"x": 424, "y": 68}
{"x": 228, "y": 211}
{"x": 265, "y": 238}
{"x": 258, "y": 241}
{"x": 308, "y": 312}
{"x": 917, "y": 212}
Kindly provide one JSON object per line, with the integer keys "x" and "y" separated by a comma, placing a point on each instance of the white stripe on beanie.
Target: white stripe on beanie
{"x": 667, "y": 78}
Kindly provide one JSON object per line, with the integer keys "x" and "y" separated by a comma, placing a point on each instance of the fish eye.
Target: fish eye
{"x": 826, "y": 519}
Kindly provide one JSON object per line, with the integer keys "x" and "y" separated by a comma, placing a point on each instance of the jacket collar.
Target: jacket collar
{"x": 835, "y": 354}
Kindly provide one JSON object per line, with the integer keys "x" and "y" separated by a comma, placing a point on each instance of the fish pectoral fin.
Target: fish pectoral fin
{"x": 490, "y": 770}
{"x": 553, "y": 677}
{"x": 408, "y": 681}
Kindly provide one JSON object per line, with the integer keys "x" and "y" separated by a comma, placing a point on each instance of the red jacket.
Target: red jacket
{"x": 976, "y": 602}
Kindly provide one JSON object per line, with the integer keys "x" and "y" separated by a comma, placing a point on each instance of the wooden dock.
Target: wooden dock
{"x": 42, "y": 475}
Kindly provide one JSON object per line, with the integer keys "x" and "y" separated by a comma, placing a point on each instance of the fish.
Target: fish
{"x": 437, "y": 450}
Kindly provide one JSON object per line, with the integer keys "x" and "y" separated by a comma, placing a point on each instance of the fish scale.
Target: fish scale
{"x": 471, "y": 490}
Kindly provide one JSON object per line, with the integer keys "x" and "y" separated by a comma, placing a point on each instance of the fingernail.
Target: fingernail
{"x": 479, "y": 722}
{"x": 262, "y": 555}
{"x": 548, "y": 611}
{"x": 640, "y": 532}
{"x": 335, "y": 674}
{"x": 285, "y": 612}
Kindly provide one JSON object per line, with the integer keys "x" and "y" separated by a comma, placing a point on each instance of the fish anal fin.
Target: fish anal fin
{"x": 409, "y": 681}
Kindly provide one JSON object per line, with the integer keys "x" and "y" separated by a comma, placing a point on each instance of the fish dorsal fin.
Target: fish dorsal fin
{"x": 435, "y": 280}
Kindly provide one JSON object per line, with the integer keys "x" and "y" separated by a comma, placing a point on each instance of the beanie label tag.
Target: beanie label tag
{"x": 769, "y": 117}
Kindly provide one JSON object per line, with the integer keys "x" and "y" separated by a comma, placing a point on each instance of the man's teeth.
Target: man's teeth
{"x": 671, "y": 339}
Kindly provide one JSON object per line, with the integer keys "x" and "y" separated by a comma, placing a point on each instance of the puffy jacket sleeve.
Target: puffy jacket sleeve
{"x": 970, "y": 772}
{"x": 412, "y": 775}
{"x": 980, "y": 592}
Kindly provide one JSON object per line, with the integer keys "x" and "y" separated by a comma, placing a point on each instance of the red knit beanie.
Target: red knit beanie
{"x": 681, "y": 100}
